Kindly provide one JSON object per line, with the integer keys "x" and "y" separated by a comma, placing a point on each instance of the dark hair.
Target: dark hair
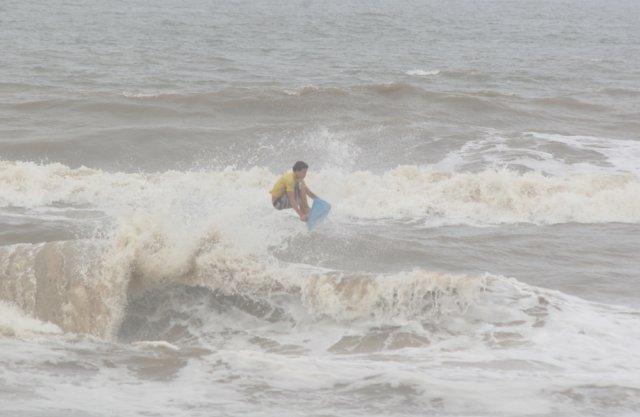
{"x": 300, "y": 166}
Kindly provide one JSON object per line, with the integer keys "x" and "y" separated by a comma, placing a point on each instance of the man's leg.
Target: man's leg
{"x": 282, "y": 202}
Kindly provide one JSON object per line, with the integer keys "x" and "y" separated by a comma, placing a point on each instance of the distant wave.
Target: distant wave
{"x": 620, "y": 92}
{"x": 263, "y": 100}
{"x": 569, "y": 103}
{"x": 127, "y": 100}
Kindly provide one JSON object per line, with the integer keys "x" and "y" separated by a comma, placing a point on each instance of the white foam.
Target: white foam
{"x": 156, "y": 344}
{"x": 422, "y": 73}
{"x": 335, "y": 147}
{"x": 486, "y": 197}
{"x": 233, "y": 200}
{"x": 531, "y": 151}
{"x": 396, "y": 298}
{"x": 146, "y": 94}
{"x": 15, "y": 323}
{"x": 622, "y": 155}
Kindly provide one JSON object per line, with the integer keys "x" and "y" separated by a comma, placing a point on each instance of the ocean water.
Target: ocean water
{"x": 481, "y": 259}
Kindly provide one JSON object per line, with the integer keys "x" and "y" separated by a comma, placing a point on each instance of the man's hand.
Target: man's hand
{"x": 303, "y": 217}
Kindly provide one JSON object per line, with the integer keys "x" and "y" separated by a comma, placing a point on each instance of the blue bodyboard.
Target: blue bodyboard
{"x": 319, "y": 210}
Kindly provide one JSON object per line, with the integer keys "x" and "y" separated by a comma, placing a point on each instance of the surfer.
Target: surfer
{"x": 290, "y": 191}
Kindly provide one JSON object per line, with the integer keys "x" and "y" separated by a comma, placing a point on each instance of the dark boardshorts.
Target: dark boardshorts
{"x": 283, "y": 202}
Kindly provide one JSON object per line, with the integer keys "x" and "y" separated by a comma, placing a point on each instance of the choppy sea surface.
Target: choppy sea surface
{"x": 481, "y": 259}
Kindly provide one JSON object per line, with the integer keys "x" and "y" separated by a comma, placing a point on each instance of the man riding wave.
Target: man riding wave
{"x": 290, "y": 191}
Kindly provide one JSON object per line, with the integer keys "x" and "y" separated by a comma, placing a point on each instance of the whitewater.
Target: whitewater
{"x": 481, "y": 257}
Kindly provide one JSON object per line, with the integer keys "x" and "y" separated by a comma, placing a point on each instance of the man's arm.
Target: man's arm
{"x": 295, "y": 206}
{"x": 310, "y": 194}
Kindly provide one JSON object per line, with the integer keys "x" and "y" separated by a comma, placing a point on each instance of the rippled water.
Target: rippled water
{"x": 481, "y": 258}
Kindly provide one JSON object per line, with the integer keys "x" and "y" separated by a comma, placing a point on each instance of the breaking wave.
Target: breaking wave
{"x": 84, "y": 286}
{"x": 491, "y": 196}
{"x": 175, "y": 261}
{"x": 141, "y": 285}
{"x": 158, "y": 281}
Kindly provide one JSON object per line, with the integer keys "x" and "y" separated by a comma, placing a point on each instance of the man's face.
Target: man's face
{"x": 300, "y": 174}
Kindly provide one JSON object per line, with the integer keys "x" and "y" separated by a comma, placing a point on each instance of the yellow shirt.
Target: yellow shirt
{"x": 287, "y": 182}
